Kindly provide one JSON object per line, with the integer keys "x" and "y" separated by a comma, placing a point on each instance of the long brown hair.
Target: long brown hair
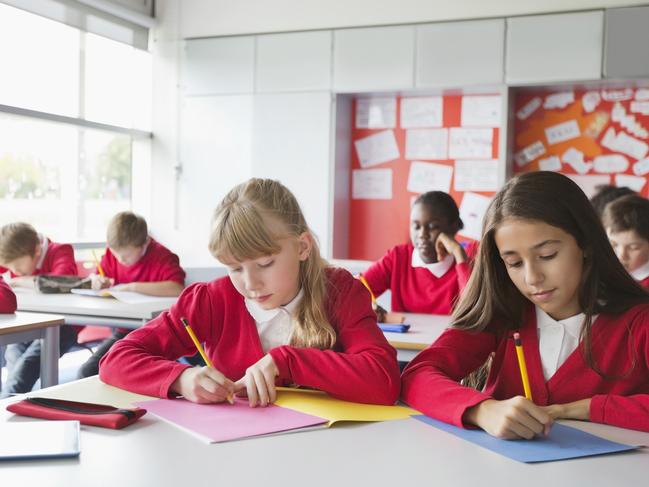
{"x": 491, "y": 300}
{"x": 243, "y": 229}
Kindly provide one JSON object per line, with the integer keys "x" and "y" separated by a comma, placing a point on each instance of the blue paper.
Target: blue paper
{"x": 563, "y": 442}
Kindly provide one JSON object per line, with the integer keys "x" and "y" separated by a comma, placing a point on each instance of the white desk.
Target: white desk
{"x": 23, "y": 327}
{"x": 88, "y": 310}
{"x": 424, "y": 330}
{"x": 393, "y": 453}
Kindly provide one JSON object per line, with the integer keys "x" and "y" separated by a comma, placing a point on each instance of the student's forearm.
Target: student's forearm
{"x": 163, "y": 288}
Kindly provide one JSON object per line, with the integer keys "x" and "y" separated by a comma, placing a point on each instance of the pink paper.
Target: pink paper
{"x": 224, "y": 422}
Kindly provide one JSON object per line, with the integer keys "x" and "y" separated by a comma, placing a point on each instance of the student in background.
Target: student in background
{"x": 7, "y": 298}
{"x": 133, "y": 262}
{"x": 427, "y": 274}
{"x": 546, "y": 269}
{"x": 25, "y": 254}
{"x": 607, "y": 193}
{"x": 282, "y": 316}
{"x": 626, "y": 221}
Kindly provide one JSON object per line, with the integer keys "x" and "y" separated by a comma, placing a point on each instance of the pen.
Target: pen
{"x": 522, "y": 366}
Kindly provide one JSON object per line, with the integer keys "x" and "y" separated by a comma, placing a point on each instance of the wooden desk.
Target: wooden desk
{"x": 23, "y": 327}
{"x": 392, "y": 453}
{"x": 88, "y": 310}
{"x": 424, "y": 330}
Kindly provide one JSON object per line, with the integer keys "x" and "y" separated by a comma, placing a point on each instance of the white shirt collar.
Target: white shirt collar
{"x": 641, "y": 272}
{"x": 438, "y": 269}
{"x": 43, "y": 241}
{"x": 261, "y": 315}
{"x": 571, "y": 325}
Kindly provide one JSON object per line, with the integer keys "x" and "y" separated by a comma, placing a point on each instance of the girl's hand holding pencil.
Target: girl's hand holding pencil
{"x": 203, "y": 385}
{"x": 512, "y": 419}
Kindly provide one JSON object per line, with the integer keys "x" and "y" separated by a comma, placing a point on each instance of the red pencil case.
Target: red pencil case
{"x": 100, "y": 415}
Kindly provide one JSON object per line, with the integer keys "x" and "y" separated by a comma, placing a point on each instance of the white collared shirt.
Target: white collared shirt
{"x": 641, "y": 272}
{"x": 275, "y": 326}
{"x": 557, "y": 339}
{"x": 43, "y": 241}
{"x": 438, "y": 269}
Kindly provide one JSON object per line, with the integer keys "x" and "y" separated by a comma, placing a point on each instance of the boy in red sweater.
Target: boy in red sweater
{"x": 133, "y": 262}
{"x": 7, "y": 298}
{"x": 25, "y": 254}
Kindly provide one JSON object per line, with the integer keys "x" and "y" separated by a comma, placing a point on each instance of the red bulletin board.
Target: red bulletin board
{"x": 376, "y": 225}
{"x": 610, "y": 127}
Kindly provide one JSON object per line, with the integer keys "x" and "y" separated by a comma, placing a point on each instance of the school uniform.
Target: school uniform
{"x": 24, "y": 359}
{"x": 418, "y": 287}
{"x": 620, "y": 345}
{"x": 157, "y": 264}
{"x": 361, "y": 367}
{"x": 7, "y": 298}
{"x": 641, "y": 274}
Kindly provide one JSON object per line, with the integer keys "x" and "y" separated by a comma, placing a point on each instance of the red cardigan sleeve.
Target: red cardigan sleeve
{"x": 362, "y": 368}
{"x": 430, "y": 383}
{"x": 145, "y": 360}
{"x": 62, "y": 261}
{"x": 379, "y": 274}
{"x": 7, "y": 298}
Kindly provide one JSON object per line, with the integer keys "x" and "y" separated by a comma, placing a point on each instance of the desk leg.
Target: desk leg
{"x": 50, "y": 356}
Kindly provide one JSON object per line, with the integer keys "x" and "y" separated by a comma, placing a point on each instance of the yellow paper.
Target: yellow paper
{"x": 320, "y": 404}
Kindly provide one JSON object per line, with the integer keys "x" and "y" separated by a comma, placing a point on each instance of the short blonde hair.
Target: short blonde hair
{"x": 17, "y": 240}
{"x": 126, "y": 229}
{"x": 243, "y": 229}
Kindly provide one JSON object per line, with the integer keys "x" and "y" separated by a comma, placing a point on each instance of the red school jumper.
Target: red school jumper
{"x": 7, "y": 298}
{"x": 58, "y": 261}
{"x": 362, "y": 366}
{"x": 431, "y": 382}
{"x": 644, "y": 282}
{"x": 416, "y": 289}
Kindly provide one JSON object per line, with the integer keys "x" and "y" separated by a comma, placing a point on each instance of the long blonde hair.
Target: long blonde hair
{"x": 242, "y": 230}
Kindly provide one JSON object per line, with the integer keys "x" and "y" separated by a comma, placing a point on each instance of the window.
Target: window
{"x": 73, "y": 106}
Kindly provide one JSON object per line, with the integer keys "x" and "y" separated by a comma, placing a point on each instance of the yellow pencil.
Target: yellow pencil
{"x": 198, "y": 346}
{"x": 364, "y": 281}
{"x": 522, "y": 366}
{"x": 99, "y": 268}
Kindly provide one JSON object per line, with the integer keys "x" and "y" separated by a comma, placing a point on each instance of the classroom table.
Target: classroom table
{"x": 23, "y": 327}
{"x": 89, "y": 310}
{"x": 393, "y": 453}
{"x": 424, "y": 330}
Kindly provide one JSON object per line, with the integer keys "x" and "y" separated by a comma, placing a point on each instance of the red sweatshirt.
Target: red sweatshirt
{"x": 644, "y": 282}
{"x": 7, "y": 298}
{"x": 58, "y": 261}
{"x": 156, "y": 265}
{"x": 362, "y": 366}
{"x": 416, "y": 289}
{"x": 431, "y": 382}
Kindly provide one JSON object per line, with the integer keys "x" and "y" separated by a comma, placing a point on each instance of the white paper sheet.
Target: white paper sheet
{"x": 427, "y": 144}
{"x": 575, "y": 158}
{"x": 617, "y": 95}
{"x": 552, "y": 163}
{"x": 641, "y": 107}
{"x": 610, "y": 163}
{"x": 472, "y": 211}
{"x": 590, "y": 100}
{"x": 376, "y": 113}
{"x": 529, "y": 108}
{"x": 642, "y": 94}
{"x": 559, "y": 100}
{"x": 377, "y": 148}
{"x": 622, "y": 142}
{"x": 562, "y": 131}
{"x": 481, "y": 111}
{"x": 422, "y": 112}
{"x": 636, "y": 183}
{"x": 641, "y": 168}
{"x": 427, "y": 176}
{"x": 627, "y": 121}
{"x": 476, "y": 175}
{"x": 470, "y": 143}
{"x": 529, "y": 153}
{"x": 372, "y": 184}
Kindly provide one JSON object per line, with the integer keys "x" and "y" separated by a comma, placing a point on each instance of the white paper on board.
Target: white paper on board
{"x": 641, "y": 168}
{"x": 470, "y": 143}
{"x": 575, "y": 158}
{"x": 559, "y": 100}
{"x": 628, "y": 122}
{"x": 552, "y": 163}
{"x": 377, "y": 148}
{"x": 481, "y": 111}
{"x": 590, "y": 100}
{"x": 623, "y": 142}
{"x": 642, "y": 94}
{"x": 588, "y": 184}
{"x": 376, "y": 113}
{"x": 617, "y": 95}
{"x": 529, "y": 108}
{"x": 428, "y": 176}
{"x": 372, "y": 184}
{"x": 476, "y": 175}
{"x": 610, "y": 163}
{"x": 641, "y": 107}
{"x": 422, "y": 112}
{"x": 636, "y": 183}
{"x": 529, "y": 153}
{"x": 562, "y": 131}
{"x": 472, "y": 211}
{"x": 427, "y": 144}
